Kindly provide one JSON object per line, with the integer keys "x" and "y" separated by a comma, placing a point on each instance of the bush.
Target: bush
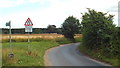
{"x": 98, "y": 29}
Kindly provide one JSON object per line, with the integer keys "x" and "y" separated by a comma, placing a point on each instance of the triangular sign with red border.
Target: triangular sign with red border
{"x": 28, "y": 22}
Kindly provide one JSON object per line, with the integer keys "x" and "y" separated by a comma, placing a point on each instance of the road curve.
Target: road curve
{"x": 68, "y": 55}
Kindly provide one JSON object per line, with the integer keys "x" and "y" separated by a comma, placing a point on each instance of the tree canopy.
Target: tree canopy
{"x": 97, "y": 29}
{"x": 51, "y": 29}
{"x": 70, "y": 27}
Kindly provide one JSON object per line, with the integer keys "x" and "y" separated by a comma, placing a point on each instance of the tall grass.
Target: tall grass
{"x": 25, "y": 36}
{"x": 39, "y": 37}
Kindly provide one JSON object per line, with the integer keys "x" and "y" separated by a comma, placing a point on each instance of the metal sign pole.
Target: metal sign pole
{"x": 29, "y": 52}
{"x": 28, "y": 42}
{"x": 11, "y": 54}
{"x": 10, "y": 39}
{"x": 28, "y": 28}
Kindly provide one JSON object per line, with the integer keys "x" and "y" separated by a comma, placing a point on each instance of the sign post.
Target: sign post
{"x": 11, "y": 54}
{"x": 28, "y": 28}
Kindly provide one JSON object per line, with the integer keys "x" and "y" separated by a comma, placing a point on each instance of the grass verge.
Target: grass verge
{"x": 22, "y": 58}
{"x": 98, "y": 55}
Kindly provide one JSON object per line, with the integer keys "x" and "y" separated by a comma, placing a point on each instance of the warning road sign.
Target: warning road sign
{"x": 28, "y": 28}
{"x": 28, "y": 22}
{"x": 28, "y": 25}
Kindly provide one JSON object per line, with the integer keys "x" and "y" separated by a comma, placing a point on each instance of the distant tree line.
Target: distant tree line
{"x": 49, "y": 29}
{"x": 35, "y": 30}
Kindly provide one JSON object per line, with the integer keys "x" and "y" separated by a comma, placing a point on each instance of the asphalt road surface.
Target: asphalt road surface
{"x": 68, "y": 55}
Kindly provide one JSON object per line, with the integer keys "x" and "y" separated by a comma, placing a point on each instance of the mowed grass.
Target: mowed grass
{"x": 21, "y": 57}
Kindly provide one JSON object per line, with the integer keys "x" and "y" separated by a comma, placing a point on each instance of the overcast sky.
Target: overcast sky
{"x": 50, "y": 12}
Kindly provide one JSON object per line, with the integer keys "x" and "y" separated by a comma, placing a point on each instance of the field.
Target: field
{"x": 35, "y": 37}
{"x": 43, "y": 36}
{"x": 25, "y": 36}
{"x": 39, "y": 44}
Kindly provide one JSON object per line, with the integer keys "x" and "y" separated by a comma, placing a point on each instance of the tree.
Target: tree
{"x": 118, "y": 35}
{"x": 51, "y": 29}
{"x": 97, "y": 29}
{"x": 37, "y": 31}
{"x": 70, "y": 27}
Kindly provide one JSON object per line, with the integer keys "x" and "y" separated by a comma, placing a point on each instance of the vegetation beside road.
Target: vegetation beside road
{"x": 38, "y": 46}
{"x": 99, "y": 55}
{"x": 22, "y": 58}
{"x": 101, "y": 38}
